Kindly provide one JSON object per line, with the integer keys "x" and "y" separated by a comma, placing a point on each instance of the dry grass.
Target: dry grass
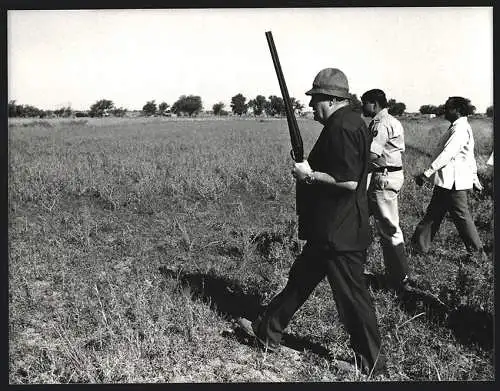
{"x": 135, "y": 243}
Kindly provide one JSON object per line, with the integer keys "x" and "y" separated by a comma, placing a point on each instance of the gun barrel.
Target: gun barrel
{"x": 295, "y": 138}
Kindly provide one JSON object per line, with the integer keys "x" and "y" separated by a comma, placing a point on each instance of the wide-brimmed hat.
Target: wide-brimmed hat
{"x": 330, "y": 81}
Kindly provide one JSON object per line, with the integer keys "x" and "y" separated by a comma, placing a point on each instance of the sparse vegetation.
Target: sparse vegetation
{"x": 134, "y": 243}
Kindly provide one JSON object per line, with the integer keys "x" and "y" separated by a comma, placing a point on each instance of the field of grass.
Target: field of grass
{"x": 134, "y": 244}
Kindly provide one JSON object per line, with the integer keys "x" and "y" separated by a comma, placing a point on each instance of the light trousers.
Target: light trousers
{"x": 383, "y": 193}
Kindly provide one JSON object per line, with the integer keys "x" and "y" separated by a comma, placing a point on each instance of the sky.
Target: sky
{"x": 416, "y": 55}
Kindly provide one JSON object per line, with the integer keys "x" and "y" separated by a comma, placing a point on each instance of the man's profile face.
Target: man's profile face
{"x": 321, "y": 106}
{"x": 450, "y": 113}
{"x": 368, "y": 109}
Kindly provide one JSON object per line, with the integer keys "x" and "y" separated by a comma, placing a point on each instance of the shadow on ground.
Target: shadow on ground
{"x": 470, "y": 326}
{"x": 229, "y": 300}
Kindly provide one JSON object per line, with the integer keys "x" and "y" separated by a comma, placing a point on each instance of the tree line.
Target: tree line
{"x": 192, "y": 105}
{"x": 439, "y": 110}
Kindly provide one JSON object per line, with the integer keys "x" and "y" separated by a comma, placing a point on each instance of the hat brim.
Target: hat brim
{"x": 331, "y": 92}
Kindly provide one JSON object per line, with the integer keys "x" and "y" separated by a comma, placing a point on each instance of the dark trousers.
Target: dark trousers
{"x": 454, "y": 202}
{"x": 344, "y": 271}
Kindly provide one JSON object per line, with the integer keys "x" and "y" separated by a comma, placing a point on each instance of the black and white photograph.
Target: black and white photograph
{"x": 250, "y": 195}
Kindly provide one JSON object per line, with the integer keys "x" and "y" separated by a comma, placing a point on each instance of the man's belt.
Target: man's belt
{"x": 388, "y": 168}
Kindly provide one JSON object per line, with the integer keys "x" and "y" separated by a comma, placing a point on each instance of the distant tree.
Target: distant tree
{"x": 355, "y": 103}
{"x": 276, "y": 106}
{"x": 489, "y": 111}
{"x": 64, "y": 112}
{"x": 149, "y": 108}
{"x": 258, "y": 104}
{"x": 296, "y": 105}
{"x": 190, "y": 105}
{"x": 101, "y": 108}
{"x": 398, "y": 109}
{"x": 395, "y": 108}
{"x": 471, "y": 107}
{"x": 427, "y": 109}
{"x": 119, "y": 112}
{"x": 12, "y": 109}
{"x": 439, "y": 110}
{"x": 238, "y": 105}
{"x": 218, "y": 108}
{"x": 15, "y": 110}
{"x": 162, "y": 108}
{"x": 32, "y": 111}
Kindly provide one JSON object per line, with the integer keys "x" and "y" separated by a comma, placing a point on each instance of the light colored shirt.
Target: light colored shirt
{"x": 453, "y": 161}
{"x": 388, "y": 141}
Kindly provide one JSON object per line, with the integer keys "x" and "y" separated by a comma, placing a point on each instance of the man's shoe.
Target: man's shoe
{"x": 372, "y": 280}
{"x": 358, "y": 366}
{"x": 406, "y": 286}
{"x": 246, "y": 326}
{"x": 408, "y": 283}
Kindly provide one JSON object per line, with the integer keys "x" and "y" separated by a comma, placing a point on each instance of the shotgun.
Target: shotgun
{"x": 297, "y": 151}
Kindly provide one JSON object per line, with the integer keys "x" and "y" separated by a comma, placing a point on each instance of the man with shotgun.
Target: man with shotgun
{"x": 333, "y": 219}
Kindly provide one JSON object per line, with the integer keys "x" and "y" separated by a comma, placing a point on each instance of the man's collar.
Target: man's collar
{"x": 338, "y": 111}
{"x": 381, "y": 113}
{"x": 459, "y": 119}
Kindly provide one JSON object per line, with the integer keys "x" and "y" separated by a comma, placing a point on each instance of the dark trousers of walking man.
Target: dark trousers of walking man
{"x": 344, "y": 271}
{"x": 442, "y": 202}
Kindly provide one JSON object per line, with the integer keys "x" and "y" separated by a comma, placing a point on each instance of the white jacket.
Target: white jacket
{"x": 454, "y": 161}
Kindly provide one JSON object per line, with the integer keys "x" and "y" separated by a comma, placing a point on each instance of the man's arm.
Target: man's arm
{"x": 381, "y": 135}
{"x": 450, "y": 150}
{"x": 317, "y": 177}
{"x": 344, "y": 172}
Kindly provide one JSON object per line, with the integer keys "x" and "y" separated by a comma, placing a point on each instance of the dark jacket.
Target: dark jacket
{"x": 336, "y": 216}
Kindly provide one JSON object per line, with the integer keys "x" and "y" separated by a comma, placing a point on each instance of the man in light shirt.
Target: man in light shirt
{"x": 386, "y": 168}
{"x": 453, "y": 172}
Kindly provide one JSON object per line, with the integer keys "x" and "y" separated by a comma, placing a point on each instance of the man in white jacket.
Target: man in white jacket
{"x": 453, "y": 172}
